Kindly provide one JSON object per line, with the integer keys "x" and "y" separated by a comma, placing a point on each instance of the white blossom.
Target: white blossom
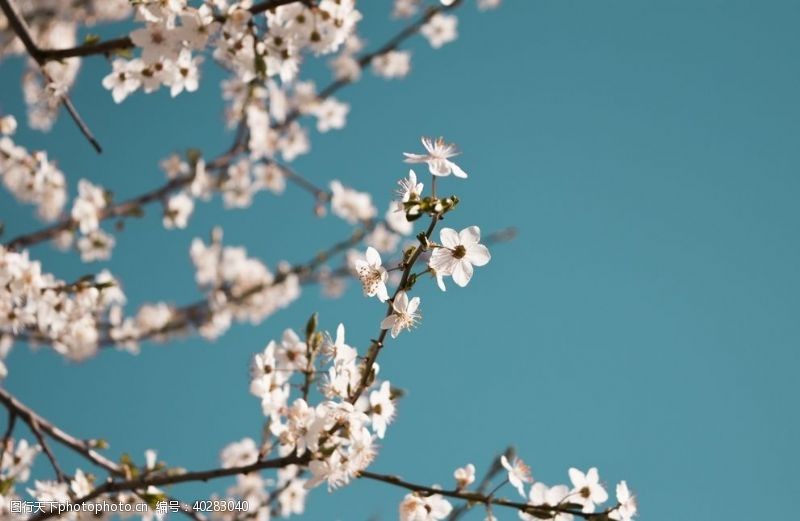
{"x": 440, "y": 29}
{"x": 373, "y": 275}
{"x": 465, "y": 476}
{"x": 404, "y": 314}
{"x": 415, "y": 507}
{"x": 350, "y": 205}
{"x": 586, "y": 489}
{"x": 437, "y": 157}
{"x": 177, "y": 210}
{"x": 518, "y": 473}
{"x": 458, "y": 253}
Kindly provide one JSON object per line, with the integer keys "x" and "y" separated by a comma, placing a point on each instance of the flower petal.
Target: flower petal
{"x": 449, "y": 237}
{"x": 457, "y": 171}
{"x": 478, "y": 254}
{"x": 470, "y": 235}
{"x": 462, "y": 273}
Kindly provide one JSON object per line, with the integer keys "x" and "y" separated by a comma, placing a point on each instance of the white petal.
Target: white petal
{"x": 415, "y": 158}
{"x": 388, "y": 322}
{"x": 373, "y": 257}
{"x": 457, "y": 171}
{"x": 449, "y": 237}
{"x": 382, "y": 293}
{"x": 462, "y": 273}
{"x": 413, "y": 305}
{"x": 470, "y": 235}
{"x": 478, "y": 254}
{"x": 439, "y": 167}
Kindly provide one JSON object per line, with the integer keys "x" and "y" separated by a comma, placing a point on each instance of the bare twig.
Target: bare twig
{"x": 82, "y": 447}
{"x": 483, "y": 486}
{"x": 20, "y": 28}
{"x": 543, "y": 512}
{"x": 60, "y": 476}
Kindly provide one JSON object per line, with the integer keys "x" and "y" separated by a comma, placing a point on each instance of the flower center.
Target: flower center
{"x": 459, "y": 252}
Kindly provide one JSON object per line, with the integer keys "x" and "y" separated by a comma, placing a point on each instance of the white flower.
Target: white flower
{"x": 518, "y": 473}
{"x": 627, "y": 504}
{"x": 124, "y": 79}
{"x": 156, "y": 41}
{"x": 421, "y": 508}
{"x": 457, "y": 254}
{"x": 350, "y": 205}
{"x": 440, "y": 29}
{"x": 270, "y": 177}
{"x": 587, "y": 490}
{"x": 409, "y": 190}
{"x": 331, "y": 114}
{"x": 404, "y": 314}
{"x": 437, "y": 157}
{"x": 397, "y": 221}
{"x": 96, "y": 246}
{"x": 184, "y": 73}
{"x": 50, "y": 491}
{"x": 239, "y": 453}
{"x": 8, "y": 125}
{"x": 543, "y": 496}
{"x": 177, "y": 210}
{"x": 381, "y": 408}
{"x": 80, "y": 484}
{"x": 372, "y": 275}
{"x": 392, "y": 64}
{"x": 88, "y": 205}
{"x": 16, "y": 461}
{"x": 465, "y": 476}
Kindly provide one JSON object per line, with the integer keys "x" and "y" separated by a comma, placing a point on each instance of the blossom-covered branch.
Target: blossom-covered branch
{"x": 20, "y": 28}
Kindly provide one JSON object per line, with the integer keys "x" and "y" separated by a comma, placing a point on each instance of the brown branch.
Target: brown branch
{"x": 495, "y": 468}
{"x": 133, "y": 205}
{"x": 542, "y": 512}
{"x": 119, "y": 44}
{"x": 376, "y": 345}
{"x": 12, "y": 421}
{"x": 82, "y": 447}
{"x": 142, "y": 483}
{"x": 20, "y": 28}
{"x": 60, "y": 476}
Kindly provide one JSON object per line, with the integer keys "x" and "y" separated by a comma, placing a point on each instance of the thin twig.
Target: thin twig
{"x": 20, "y": 28}
{"x": 60, "y": 476}
{"x": 82, "y": 447}
{"x": 483, "y": 486}
{"x": 544, "y": 512}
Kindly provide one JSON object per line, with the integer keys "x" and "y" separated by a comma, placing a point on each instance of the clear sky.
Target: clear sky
{"x": 645, "y": 321}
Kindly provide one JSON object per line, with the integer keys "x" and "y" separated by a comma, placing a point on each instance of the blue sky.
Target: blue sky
{"x": 645, "y": 321}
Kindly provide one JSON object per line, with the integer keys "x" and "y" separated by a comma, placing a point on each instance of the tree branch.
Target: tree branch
{"x": 131, "y": 206}
{"x": 124, "y": 42}
{"x": 82, "y": 447}
{"x": 543, "y": 512}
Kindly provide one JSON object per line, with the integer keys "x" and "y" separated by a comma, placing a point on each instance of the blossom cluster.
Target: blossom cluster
{"x": 336, "y": 437}
{"x": 557, "y": 503}
{"x": 238, "y": 287}
{"x": 30, "y": 176}
{"x": 67, "y": 316}
{"x": 16, "y": 460}
{"x": 53, "y": 25}
{"x": 174, "y": 30}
